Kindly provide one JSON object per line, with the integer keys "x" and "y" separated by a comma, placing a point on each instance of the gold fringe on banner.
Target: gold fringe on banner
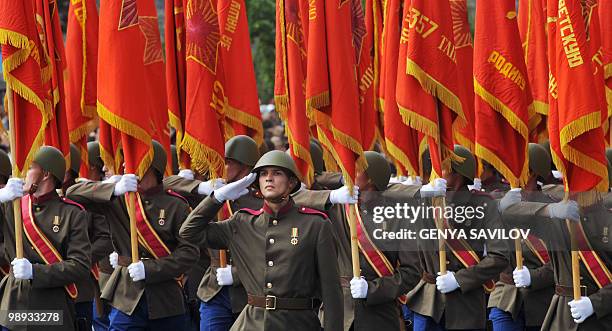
{"x": 515, "y": 180}
{"x": 540, "y": 107}
{"x": 247, "y": 120}
{"x": 608, "y": 71}
{"x": 82, "y": 131}
{"x": 419, "y": 123}
{"x": 317, "y": 102}
{"x": 203, "y": 158}
{"x": 400, "y": 157}
{"x": 435, "y": 88}
{"x": 302, "y": 153}
{"x": 511, "y": 117}
{"x": 281, "y": 105}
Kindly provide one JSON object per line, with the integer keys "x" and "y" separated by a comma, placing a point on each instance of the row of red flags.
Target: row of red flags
{"x": 112, "y": 68}
{"x": 406, "y": 74}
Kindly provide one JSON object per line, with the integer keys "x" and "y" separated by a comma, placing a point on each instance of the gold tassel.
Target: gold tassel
{"x": 511, "y": 117}
{"x": 247, "y": 120}
{"x": 122, "y": 124}
{"x": 203, "y": 158}
{"x": 540, "y": 107}
{"x": 400, "y": 157}
{"x": 419, "y": 123}
{"x": 515, "y": 180}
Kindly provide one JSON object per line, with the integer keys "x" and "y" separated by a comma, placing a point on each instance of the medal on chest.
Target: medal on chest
{"x": 294, "y": 236}
{"x": 162, "y": 217}
{"x": 56, "y": 223}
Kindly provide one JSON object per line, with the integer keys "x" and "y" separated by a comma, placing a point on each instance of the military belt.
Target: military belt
{"x": 271, "y": 302}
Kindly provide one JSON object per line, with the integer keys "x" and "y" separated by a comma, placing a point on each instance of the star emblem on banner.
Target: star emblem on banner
{"x": 461, "y": 26}
{"x": 153, "y": 47}
{"x": 203, "y": 36}
{"x": 129, "y": 14}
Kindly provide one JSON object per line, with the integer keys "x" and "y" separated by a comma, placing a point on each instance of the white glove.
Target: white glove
{"x": 114, "y": 179}
{"x": 186, "y": 173}
{"x": 207, "y": 187}
{"x": 235, "y": 190}
{"x": 22, "y": 269}
{"x": 113, "y": 259}
{"x": 522, "y": 278}
{"x": 128, "y": 183}
{"x": 581, "y": 309}
{"x": 557, "y": 174}
{"x": 359, "y": 288}
{"x": 446, "y": 283}
{"x": 224, "y": 276}
{"x": 413, "y": 181}
{"x": 342, "y": 195}
{"x": 477, "y": 185}
{"x": 511, "y": 197}
{"x": 12, "y": 190}
{"x": 564, "y": 210}
{"x": 396, "y": 180}
{"x": 435, "y": 189}
{"x": 137, "y": 271}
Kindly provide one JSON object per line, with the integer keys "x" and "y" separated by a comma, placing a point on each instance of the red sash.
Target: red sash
{"x": 146, "y": 234}
{"x": 538, "y": 248}
{"x": 95, "y": 271}
{"x": 377, "y": 260}
{"x": 5, "y": 269}
{"x": 466, "y": 255}
{"x": 226, "y": 211}
{"x": 592, "y": 262}
{"x": 41, "y": 244}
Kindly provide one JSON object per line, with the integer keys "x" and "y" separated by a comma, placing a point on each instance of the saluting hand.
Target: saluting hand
{"x": 235, "y": 190}
{"x": 437, "y": 188}
{"x": 564, "y": 210}
{"x": 206, "y": 188}
{"x": 186, "y": 173}
{"x": 343, "y": 195}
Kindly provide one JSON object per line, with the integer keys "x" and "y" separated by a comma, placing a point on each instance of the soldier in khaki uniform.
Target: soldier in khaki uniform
{"x": 521, "y": 297}
{"x": 55, "y": 244}
{"x": 323, "y": 180}
{"x": 5, "y": 174}
{"x": 284, "y": 254}
{"x": 101, "y": 246}
{"x": 548, "y": 221}
{"x": 221, "y": 299}
{"x": 374, "y": 299}
{"x": 147, "y": 294}
{"x": 457, "y": 299}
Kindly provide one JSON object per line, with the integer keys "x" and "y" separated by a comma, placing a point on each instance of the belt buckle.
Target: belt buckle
{"x": 270, "y": 302}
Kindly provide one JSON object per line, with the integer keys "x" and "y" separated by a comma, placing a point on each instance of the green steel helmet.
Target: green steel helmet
{"x": 316, "y": 154}
{"x": 175, "y": 164}
{"x": 546, "y": 145}
{"x": 539, "y": 160}
{"x": 378, "y": 170}
{"x": 93, "y": 155}
{"x": 242, "y": 149}
{"x": 75, "y": 158}
{"x": 159, "y": 158}
{"x": 52, "y": 160}
{"x": 279, "y": 159}
{"x": 6, "y": 167}
{"x": 467, "y": 167}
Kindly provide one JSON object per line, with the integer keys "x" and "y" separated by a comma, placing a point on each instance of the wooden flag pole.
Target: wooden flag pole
{"x": 354, "y": 243}
{"x": 575, "y": 259}
{"x": 441, "y": 201}
{"x": 131, "y": 204}
{"x": 222, "y": 252}
{"x": 16, "y": 202}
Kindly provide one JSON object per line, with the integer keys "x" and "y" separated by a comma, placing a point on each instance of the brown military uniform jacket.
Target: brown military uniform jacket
{"x": 45, "y": 291}
{"x": 596, "y": 223}
{"x": 101, "y": 246}
{"x": 269, "y": 264}
{"x": 163, "y": 292}
{"x": 380, "y": 309}
{"x": 535, "y": 299}
{"x": 466, "y": 307}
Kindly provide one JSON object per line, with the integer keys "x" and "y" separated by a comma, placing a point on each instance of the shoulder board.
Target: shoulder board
{"x": 174, "y": 194}
{"x": 305, "y": 210}
{"x": 482, "y": 194}
{"x": 74, "y": 203}
{"x": 251, "y": 211}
